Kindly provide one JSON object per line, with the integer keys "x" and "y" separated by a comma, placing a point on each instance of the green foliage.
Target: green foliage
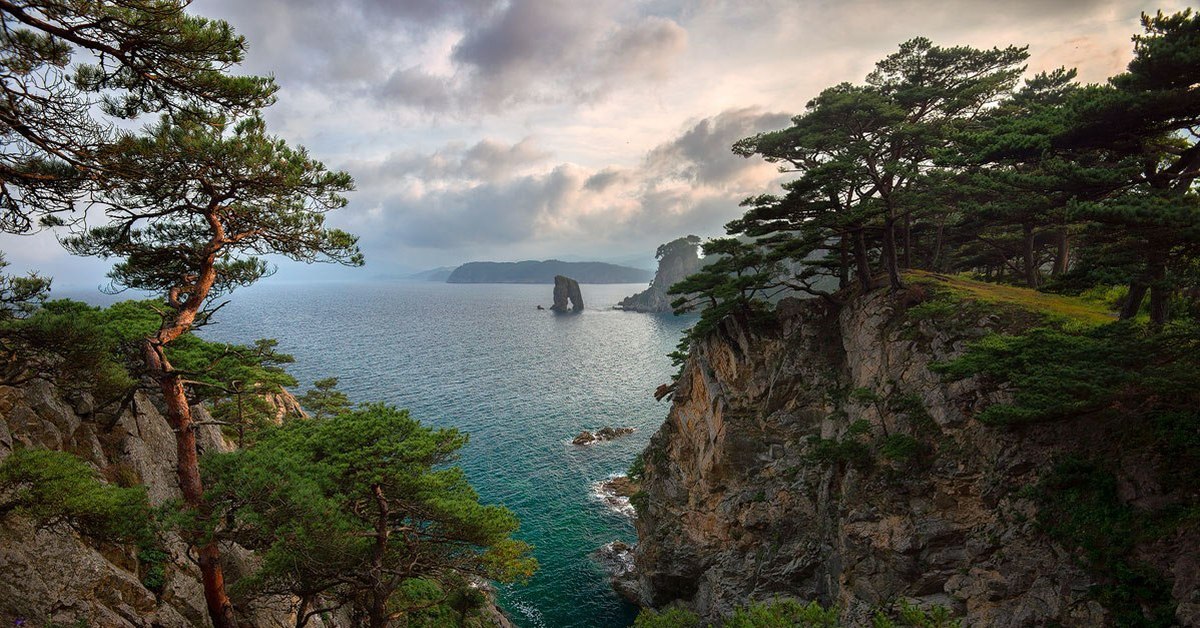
{"x": 640, "y": 501}
{"x": 98, "y": 350}
{"x": 674, "y": 617}
{"x": 858, "y": 428}
{"x": 320, "y": 489}
{"x": 783, "y": 614}
{"x": 794, "y": 614}
{"x": 324, "y": 399}
{"x": 831, "y": 451}
{"x": 1058, "y": 374}
{"x": 270, "y": 198}
{"x": 900, "y": 447}
{"x": 1079, "y": 507}
{"x": 55, "y": 488}
{"x": 19, "y": 295}
{"x": 92, "y": 63}
{"x": 908, "y": 614}
{"x": 637, "y": 468}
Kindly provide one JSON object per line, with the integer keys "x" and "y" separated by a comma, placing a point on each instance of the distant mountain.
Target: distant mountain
{"x": 531, "y": 271}
{"x": 441, "y": 273}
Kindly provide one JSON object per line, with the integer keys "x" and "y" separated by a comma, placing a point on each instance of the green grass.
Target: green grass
{"x": 1072, "y": 309}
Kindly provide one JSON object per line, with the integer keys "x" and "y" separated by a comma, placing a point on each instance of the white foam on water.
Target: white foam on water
{"x": 602, "y": 493}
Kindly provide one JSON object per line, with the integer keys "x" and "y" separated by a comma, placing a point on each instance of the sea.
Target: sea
{"x": 521, "y": 381}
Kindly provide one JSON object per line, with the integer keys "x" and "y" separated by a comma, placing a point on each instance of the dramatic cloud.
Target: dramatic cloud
{"x": 491, "y": 193}
{"x": 533, "y": 128}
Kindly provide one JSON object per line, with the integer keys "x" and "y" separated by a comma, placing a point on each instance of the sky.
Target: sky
{"x": 536, "y": 129}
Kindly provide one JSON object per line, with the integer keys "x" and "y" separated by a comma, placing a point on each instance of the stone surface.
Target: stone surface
{"x": 566, "y": 289}
{"x": 737, "y": 510}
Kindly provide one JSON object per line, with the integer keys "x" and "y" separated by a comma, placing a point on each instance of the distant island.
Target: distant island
{"x": 531, "y": 271}
{"x": 433, "y": 274}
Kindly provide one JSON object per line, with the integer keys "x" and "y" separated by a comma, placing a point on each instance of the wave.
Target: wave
{"x": 605, "y": 492}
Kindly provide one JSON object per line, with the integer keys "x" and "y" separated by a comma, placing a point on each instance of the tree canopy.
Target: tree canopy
{"x": 361, "y": 510}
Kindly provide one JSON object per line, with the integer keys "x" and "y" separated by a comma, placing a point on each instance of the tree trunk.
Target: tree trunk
{"x": 1133, "y": 301}
{"x": 1062, "y": 259}
{"x": 843, "y": 262}
{"x": 908, "y": 240}
{"x": 862, "y": 263}
{"x": 187, "y": 468}
{"x": 378, "y": 615}
{"x": 1160, "y": 290}
{"x": 891, "y": 262}
{"x": 1029, "y": 257}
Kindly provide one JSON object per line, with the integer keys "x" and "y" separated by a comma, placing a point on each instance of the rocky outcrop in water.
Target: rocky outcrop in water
{"x": 776, "y": 475}
{"x": 566, "y": 289}
{"x": 616, "y": 558}
{"x": 677, "y": 260}
{"x": 605, "y": 433}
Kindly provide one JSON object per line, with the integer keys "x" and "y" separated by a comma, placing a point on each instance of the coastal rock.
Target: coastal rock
{"x": 605, "y": 433}
{"x": 615, "y": 493}
{"x": 566, "y": 289}
{"x": 677, "y": 260}
{"x": 617, "y": 560}
{"x": 740, "y": 508}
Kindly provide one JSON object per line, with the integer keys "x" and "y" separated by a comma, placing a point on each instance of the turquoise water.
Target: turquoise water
{"x": 522, "y": 382}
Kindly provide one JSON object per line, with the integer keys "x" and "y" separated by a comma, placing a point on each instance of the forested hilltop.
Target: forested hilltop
{"x": 986, "y": 409}
{"x": 149, "y": 477}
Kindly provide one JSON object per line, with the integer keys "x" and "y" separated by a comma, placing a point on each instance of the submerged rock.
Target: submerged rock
{"x": 566, "y": 289}
{"x": 605, "y": 433}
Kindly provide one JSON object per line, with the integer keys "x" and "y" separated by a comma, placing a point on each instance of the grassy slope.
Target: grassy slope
{"x": 1071, "y": 308}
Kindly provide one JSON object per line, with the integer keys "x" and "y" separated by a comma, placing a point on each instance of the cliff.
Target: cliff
{"x": 676, "y": 261}
{"x": 544, "y": 272}
{"x": 52, "y": 575}
{"x": 817, "y": 456}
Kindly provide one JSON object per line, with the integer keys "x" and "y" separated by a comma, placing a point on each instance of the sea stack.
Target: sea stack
{"x": 566, "y": 289}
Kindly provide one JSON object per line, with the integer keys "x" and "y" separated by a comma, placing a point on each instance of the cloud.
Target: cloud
{"x": 703, "y": 155}
{"x": 495, "y": 194}
{"x": 550, "y": 51}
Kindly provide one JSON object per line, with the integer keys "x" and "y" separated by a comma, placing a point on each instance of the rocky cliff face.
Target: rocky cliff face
{"x": 676, "y": 261}
{"x": 53, "y": 576}
{"x": 818, "y": 457}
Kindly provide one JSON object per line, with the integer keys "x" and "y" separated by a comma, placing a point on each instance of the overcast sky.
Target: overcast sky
{"x": 519, "y": 129}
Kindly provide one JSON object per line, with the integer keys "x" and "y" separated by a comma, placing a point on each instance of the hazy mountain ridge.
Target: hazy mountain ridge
{"x": 532, "y": 271}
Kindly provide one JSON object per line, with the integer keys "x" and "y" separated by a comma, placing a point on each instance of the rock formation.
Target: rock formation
{"x": 677, "y": 260}
{"x": 605, "y": 433}
{"x": 751, "y": 493}
{"x": 566, "y": 289}
{"x": 617, "y": 560}
{"x": 53, "y": 574}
